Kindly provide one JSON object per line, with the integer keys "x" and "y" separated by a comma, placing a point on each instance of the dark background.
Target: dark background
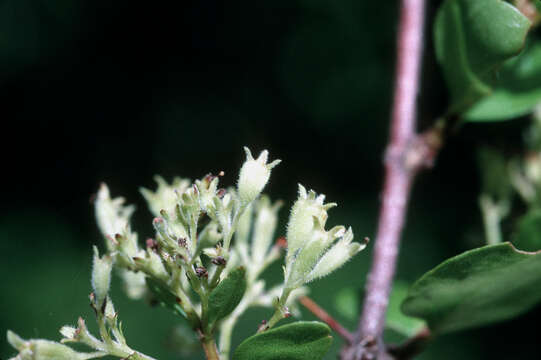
{"x": 95, "y": 91}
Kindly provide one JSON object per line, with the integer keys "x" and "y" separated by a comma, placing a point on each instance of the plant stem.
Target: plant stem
{"x": 405, "y": 155}
{"x": 412, "y": 346}
{"x": 280, "y": 311}
{"x": 226, "y": 332}
{"x": 209, "y": 346}
{"x": 325, "y": 317}
{"x": 492, "y": 216}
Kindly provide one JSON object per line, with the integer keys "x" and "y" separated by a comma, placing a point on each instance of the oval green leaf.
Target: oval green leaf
{"x": 478, "y": 287}
{"x": 227, "y": 295}
{"x": 303, "y": 340}
{"x": 516, "y": 92}
{"x": 472, "y": 38}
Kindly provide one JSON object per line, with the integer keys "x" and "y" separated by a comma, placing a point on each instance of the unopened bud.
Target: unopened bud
{"x": 101, "y": 276}
{"x": 39, "y": 349}
{"x": 308, "y": 214}
{"x": 68, "y": 332}
{"x": 337, "y": 256}
{"x": 254, "y": 175}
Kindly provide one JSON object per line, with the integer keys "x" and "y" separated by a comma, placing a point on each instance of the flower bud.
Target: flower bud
{"x": 166, "y": 196}
{"x": 206, "y": 191}
{"x": 307, "y": 213}
{"x": 111, "y": 215}
{"x": 45, "y": 350}
{"x": 254, "y": 175}
{"x": 68, "y": 332}
{"x": 311, "y": 253}
{"x": 155, "y": 265}
{"x": 15, "y": 340}
{"x": 101, "y": 276}
{"x": 337, "y": 256}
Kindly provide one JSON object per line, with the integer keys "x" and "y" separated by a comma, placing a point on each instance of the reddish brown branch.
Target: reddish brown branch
{"x": 410, "y": 347}
{"x": 406, "y": 154}
{"x": 325, "y": 317}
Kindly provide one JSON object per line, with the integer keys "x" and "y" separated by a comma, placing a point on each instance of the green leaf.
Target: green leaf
{"x": 165, "y": 297}
{"x": 227, "y": 295}
{"x": 303, "y": 340}
{"x": 472, "y": 38}
{"x": 395, "y": 319}
{"x": 478, "y": 287}
{"x": 516, "y": 92}
{"x": 528, "y": 235}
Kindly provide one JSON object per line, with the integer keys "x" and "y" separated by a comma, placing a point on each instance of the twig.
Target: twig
{"x": 406, "y": 153}
{"x": 325, "y": 317}
{"x": 410, "y": 347}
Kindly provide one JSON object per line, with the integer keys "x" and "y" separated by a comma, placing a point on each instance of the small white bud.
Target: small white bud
{"x": 101, "y": 276}
{"x": 307, "y": 214}
{"x": 15, "y": 340}
{"x": 111, "y": 215}
{"x": 254, "y": 175}
{"x": 50, "y": 350}
{"x": 166, "y": 196}
{"x": 206, "y": 191}
{"x": 38, "y": 349}
{"x": 156, "y": 266}
{"x": 337, "y": 256}
{"x": 309, "y": 256}
{"x": 109, "y": 312}
{"x": 68, "y": 332}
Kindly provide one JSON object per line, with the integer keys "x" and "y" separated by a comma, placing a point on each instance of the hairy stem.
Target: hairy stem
{"x": 279, "y": 313}
{"x": 404, "y": 156}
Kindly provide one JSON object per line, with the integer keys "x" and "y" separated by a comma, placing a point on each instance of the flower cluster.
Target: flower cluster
{"x": 204, "y": 260}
